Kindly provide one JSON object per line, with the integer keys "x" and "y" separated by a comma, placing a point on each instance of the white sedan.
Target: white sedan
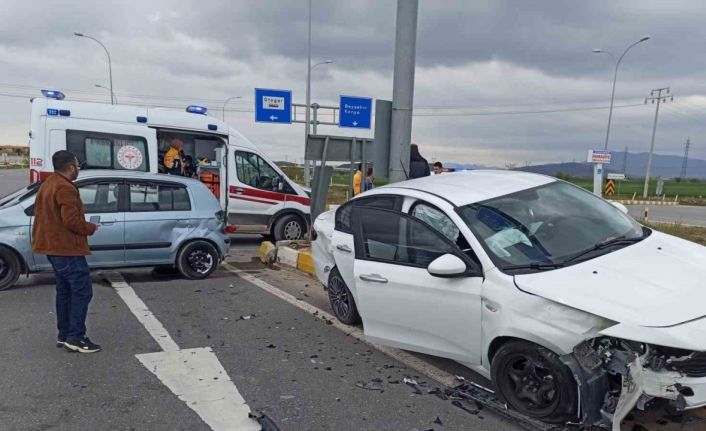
{"x": 574, "y": 310}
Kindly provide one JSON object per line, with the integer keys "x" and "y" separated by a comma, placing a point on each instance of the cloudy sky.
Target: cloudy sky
{"x": 497, "y": 81}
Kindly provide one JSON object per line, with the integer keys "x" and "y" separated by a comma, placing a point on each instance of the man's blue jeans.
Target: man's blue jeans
{"x": 73, "y": 294}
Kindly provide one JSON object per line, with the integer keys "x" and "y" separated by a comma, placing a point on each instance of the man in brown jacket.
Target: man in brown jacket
{"x": 61, "y": 232}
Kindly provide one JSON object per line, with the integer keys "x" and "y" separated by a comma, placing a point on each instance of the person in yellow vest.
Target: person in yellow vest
{"x": 173, "y": 161}
{"x": 358, "y": 180}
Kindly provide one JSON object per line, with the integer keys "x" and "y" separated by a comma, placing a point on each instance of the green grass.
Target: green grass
{"x": 695, "y": 234}
{"x": 686, "y": 189}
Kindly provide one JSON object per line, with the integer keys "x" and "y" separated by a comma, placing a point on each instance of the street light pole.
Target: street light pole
{"x": 615, "y": 78}
{"x": 225, "y": 102}
{"x": 110, "y": 67}
{"x": 307, "y": 175}
{"x": 106, "y": 88}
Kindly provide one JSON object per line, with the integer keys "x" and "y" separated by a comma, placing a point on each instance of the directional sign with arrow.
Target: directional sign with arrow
{"x": 355, "y": 112}
{"x": 273, "y": 106}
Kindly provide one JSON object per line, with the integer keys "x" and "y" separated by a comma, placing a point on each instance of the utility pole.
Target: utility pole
{"x": 625, "y": 161}
{"x": 659, "y": 98}
{"x": 686, "y": 159}
{"x": 403, "y": 88}
{"x": 307, "y": 113}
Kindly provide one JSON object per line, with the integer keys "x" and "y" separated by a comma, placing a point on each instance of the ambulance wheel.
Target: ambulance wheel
{"x": 289, "y": 228}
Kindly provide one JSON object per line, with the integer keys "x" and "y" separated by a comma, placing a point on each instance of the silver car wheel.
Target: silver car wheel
{"x": 292, "y": 231}
{"x": 200, "y": 261}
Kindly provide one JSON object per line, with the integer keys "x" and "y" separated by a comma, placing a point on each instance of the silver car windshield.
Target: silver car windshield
{"x": 549, "y": 225}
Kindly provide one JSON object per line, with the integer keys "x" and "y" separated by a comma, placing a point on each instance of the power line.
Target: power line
{"x": 546, "y": 111}
{"x": 418, "y": 114}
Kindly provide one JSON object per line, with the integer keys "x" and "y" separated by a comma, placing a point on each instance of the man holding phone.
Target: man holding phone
{"x": 60, "y": 232}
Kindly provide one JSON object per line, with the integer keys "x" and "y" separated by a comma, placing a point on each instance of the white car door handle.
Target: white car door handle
{"x": 373, "y": 278}
{"x": 344, "y": 248}
{"x": 108, "y": 222}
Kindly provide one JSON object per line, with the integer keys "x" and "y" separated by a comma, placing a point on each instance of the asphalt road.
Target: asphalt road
{"x": 683, "y": 214}
{"x": 293, "y": 366}
{"x": 299, "y": 370}
{"x": 12, "y": 180}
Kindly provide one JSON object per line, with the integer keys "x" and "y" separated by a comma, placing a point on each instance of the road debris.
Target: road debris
{"x": 374, "y": 385}
{"x": 265, "y": 422}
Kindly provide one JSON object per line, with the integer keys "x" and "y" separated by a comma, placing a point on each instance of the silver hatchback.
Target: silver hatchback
{"x": 146, "y": 220}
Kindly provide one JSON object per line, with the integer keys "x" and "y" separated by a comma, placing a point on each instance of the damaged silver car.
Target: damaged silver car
{"x": 576, "y": 312}
{"x": 145, "y": 220}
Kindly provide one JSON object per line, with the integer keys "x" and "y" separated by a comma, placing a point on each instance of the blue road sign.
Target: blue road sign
{"x": 355, "y": 112}
{"x": 273, "y": 106}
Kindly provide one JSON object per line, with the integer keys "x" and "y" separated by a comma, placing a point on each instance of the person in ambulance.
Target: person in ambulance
{"x": 173, "y": 161}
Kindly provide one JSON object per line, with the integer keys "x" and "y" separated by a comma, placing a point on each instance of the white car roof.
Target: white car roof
{"x": 463, "y": 188}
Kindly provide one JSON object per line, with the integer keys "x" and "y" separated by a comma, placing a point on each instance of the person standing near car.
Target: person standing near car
{"x": 418, "y": 165}
{"x": 60, "y": 232}
{"x": 438, "y": 168}
{"x": 369, "y": 179}
{"x": 358, "y": 180}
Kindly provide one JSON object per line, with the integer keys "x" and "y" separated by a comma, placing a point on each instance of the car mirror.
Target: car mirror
{"x": 448, "y": 265}
{"x": 620, "y": 206}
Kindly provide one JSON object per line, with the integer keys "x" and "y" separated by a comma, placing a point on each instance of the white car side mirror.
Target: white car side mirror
{"x": 621, "y": 207}
{"x": 447, "y": 265}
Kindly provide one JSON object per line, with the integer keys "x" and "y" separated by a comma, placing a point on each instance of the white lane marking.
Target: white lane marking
{"x": 196, "y": 376}
{"x": 411, "y": 361}
{"x": 144, "y": 315}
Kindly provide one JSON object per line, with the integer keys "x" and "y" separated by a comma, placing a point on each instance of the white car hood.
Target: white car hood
{"x": 658, "y": 282}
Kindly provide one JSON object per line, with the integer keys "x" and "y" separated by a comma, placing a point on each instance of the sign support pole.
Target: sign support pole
{"x": 597, "y": 178}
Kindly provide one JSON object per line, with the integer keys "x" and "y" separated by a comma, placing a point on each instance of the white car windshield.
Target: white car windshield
{"x": 18, "y": 196}
{"x": 549, "y": 226}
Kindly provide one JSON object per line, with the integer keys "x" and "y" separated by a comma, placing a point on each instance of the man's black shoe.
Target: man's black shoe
{"x": 83, "y": 345}
{"x": 60, "y": 343}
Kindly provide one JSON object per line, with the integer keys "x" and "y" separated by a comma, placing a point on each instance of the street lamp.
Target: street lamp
{"x": 615, "y": 77}
{"x": 110, "y": 67}
{"x": 106, "y": 88}
{"x": 225, "y": 102}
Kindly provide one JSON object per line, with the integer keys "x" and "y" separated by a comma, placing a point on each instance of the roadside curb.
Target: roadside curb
{"x": 655, "y": 203}
{"x": 292, "y": 254}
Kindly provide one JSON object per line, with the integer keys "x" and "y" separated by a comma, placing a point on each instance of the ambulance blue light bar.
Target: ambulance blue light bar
{"x": 53, "y": 94}
{"x": 196, "y": 109}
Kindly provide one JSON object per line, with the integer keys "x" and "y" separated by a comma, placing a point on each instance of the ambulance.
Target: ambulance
{"x": 257, "y": 196}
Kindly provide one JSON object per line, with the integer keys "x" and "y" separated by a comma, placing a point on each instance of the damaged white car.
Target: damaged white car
{"x": 575, "y": 311}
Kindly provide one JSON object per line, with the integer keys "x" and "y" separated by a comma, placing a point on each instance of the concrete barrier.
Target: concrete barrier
{"x": 641, "y": 202}
{"x": 291, "y": 254}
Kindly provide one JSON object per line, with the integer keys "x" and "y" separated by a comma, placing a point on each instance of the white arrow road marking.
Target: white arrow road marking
{"x": 194, "y": 375}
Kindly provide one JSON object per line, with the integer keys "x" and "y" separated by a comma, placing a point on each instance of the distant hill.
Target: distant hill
{"x": 552, "y": 169}
{"x": 662, "y": 166}
{"x": 282, "y": 164}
